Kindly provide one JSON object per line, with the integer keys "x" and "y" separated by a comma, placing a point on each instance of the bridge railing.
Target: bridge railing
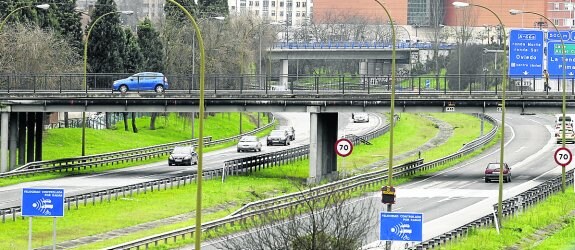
{"x": 359, "y": 45}
{"x": 293, "y": 84}
{"x": 254, "y": 209}
{"x": 138, "y": 154}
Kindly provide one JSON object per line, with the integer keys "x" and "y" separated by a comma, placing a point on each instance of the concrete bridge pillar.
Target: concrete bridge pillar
{"x": 4, "y": 119}
{"x": 323, "y": 134}
{"x": 12, "y": 140}
{"x": 284, "y": 73}
{"x": 21, "y": 138}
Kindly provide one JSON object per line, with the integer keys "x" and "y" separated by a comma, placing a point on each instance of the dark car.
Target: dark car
{"x": 492, "y": 172}
{"x": 183, "y": 155}
{"x": 290, "y": 130}
{"x": 142, "y": 81}
{"x": 278, "y": 137}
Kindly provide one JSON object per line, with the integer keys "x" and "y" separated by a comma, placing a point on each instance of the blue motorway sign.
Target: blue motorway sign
{"x": 401, "y": 226}
{"x": 555, "y": 58}
{"x": 556, "y": 36}
{"x": 43, "y": 202}
{"x": 526, "y": 52}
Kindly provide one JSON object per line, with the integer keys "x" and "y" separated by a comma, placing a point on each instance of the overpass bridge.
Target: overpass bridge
{"x": 22, "y": 105}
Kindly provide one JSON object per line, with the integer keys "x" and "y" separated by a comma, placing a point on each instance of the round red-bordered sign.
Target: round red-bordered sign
{"x": 563, "y": 156}
{"x": 343, "y": 147}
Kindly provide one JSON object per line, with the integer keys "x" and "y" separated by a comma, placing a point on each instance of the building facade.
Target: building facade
{"x": 290, "y": 12}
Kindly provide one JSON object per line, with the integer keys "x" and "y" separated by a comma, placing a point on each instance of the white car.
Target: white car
{"x": 569, "y": 136}
{"x": 360, "y": 117}
{"x": 249, "y": 143}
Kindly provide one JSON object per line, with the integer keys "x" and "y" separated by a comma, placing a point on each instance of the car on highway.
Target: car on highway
{"x": 290, "y": 130}
{"x": 492, "y": 172}
{"x": 279, "y": 136}
{"x": 249, "y": 143}
{"x": 183, "y": 155}
{"x": 360, "y": 117}
{"x": 142, "y": 81}
{"x": 569, "y": 135}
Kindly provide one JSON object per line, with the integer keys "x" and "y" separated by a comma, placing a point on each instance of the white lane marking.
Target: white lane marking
{"x": 535, "y": 121}
{"x": 467, "y": 164}
{"x": 521, "y": 148}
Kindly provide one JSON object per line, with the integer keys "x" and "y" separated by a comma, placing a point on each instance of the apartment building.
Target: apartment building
{"x": 290, "y": 12}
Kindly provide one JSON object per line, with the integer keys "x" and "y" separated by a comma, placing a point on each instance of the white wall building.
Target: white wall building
{"x": 292, "y": 12}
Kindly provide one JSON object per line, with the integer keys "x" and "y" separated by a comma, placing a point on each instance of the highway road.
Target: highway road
{"x": 459, "y": 195}
{"x": 11, "y": 195}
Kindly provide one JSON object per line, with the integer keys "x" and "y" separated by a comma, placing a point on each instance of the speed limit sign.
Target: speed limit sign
{"x": 343, "y": 147}
{"x": 563, "y": 156}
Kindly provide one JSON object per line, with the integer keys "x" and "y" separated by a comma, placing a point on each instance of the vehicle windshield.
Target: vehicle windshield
{"x": 493, "y": 166}
{"x": 277, "y": 133}
{"x": 181, "y": 150}
{"x": 248, "y": 139}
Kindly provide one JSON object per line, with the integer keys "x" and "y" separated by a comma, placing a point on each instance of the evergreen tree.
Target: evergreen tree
{"x": 209, "y": 8}
{"x": 106, "y": 43}
{"x": 69, "y": 23}
{"x": 133, "y": 56}
{"x": 151, "y": 47}
{"x": 173, "y": 12}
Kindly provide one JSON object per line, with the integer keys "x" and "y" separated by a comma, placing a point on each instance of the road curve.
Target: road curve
{"x": 11, "y": 195}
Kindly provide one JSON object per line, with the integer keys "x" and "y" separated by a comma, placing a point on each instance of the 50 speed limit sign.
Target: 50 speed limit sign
{"x": 563, "y": 156}
{"x": 343, "y": 147}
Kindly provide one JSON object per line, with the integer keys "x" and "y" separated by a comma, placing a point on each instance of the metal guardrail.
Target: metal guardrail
{"x": 511, "y": 207}
{"x": 368, "y": 180}
{"x": 84, "y": 162}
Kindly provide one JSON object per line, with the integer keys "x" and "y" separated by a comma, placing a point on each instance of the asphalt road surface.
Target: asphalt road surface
{"x": 11, "y": 195}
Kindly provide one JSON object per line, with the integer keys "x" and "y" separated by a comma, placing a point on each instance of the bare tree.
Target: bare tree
{"x": 29, "y": 49}
{"x": 328, "y": 222}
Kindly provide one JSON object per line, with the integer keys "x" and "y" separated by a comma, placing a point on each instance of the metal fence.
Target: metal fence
{"x": 364, "y": 182}
{"x": 90, "y": 161}
{"x": 98, "y": 83}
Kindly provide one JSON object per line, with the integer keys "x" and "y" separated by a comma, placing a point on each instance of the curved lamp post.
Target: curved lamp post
{"x": 198, "y": 230}
{"x": 563, "y": 107}
{"x": 40, "y": 6}
{"x": 127, "y": 12}
{"x": 392, "y": 108}
{"x": 503, "y": 87}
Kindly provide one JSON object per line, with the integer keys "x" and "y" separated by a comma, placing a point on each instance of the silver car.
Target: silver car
{"x": 183, "y": 155}
{"x": 249, "y": 143}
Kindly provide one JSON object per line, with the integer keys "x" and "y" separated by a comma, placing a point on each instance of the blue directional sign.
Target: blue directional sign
{"x": 525, "y": 53}
{"x": 555, "y": 58}
{"x": 556, "y": 36}
{"x": 43, "y": 202}
{"x": 401, "y": 226}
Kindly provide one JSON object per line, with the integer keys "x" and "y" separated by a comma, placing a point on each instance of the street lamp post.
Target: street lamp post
{"x": 503, "y": 87}
{"x": 563, "y": 85}
{"x": 40, "y": 6}
{"x": 198, "y": 230}
{"x": 392, "y": 108}
{"x": 127, "y": 12}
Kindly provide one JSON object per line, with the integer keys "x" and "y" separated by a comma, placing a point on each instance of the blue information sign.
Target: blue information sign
{"x": 43, "y": 202}
{"x": 555, "y": 58}
{"x": 556, "y": 36}
{"x": 525, "y": 53}
{"x": 401, "y": 226}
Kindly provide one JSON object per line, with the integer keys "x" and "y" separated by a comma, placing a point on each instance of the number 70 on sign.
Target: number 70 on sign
{"x": 563, "y": 156}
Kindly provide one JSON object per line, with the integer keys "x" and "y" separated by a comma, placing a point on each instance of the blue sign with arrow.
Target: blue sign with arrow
{"x": 555, "y": 58}
{"x": 45, "y": 202}
{"x": 401, "y": 226}
{"x": 525, "y": 53}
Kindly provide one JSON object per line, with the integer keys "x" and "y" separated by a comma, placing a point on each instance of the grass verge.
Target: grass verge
{"x": 131, "y": 211}
{"x": 58, "y": 138}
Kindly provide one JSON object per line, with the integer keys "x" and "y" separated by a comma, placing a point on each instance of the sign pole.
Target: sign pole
{"x": 54, "y": 235}
{"x": 30, "y": 233}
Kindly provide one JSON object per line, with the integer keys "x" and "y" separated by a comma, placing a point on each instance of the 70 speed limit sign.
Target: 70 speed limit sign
{"x": 563, "y": 156}
{"x": 343, "y": 147}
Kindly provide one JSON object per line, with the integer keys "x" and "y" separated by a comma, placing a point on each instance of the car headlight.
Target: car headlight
{"x": 171, "y": 157}
{"x": 187, "y": 157}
